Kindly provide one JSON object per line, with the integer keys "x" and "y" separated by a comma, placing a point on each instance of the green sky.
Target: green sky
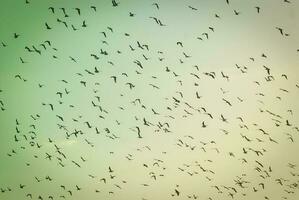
{"x": 192, "y": 141}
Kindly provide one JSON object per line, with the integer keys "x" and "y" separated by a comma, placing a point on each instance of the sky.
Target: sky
{"x": 211, "y": 87}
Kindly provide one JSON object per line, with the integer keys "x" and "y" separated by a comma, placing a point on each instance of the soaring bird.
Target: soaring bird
{"x": 257, "y": 9}
{"x": 47, "y": 26}
{"x": 156, "y": 4}
{"x": 114, "y": 3}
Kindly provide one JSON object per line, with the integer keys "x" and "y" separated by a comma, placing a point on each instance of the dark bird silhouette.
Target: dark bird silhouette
{"x": 110, "y": 29}
{"x": 267, "y": 69}
{"x": 78, "y": 188}
{"x": 114, "y": 78}
{"x": 94, "y": 8}
{"x": 177, "y": 192}
{"x": 88, "y": 124}
{"x": 74, "y": 28}
{"x": 192, "y": 8}
{"x": 84, "y": 24}
{"x": 285, "y": 76}
{"x": 257, "y": 9}
{"x": 223, "y": 119}
{"x": 180, "y": 43}
{"x": 206, "y": 34}
{"x": 76, "y": 164}
{"x": 203, "y": 125}
{"x": 78, "y": 11}
{"x": 280, "y": 30}
{"x": 3, "y": 44}
{"x": 236, "y": 12}
{"x": 15, "y": 35}
{"x": 114, "y": 3}
{"x": 59, "y": 117}
{"x": 22, "y": 61}
{"x": 226, "y": 101}
{"x": 131, "y": 85}
{"x": 52, "y": 9}
{"x": 95, "y": 56}
{"x": 47, "y": 26}
{"x": 138, "y": 132}
{"x": 156, "y": 4}
{"x": 64, "y": 12}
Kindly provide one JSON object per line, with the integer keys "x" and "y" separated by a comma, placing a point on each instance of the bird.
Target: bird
{"x": 226, "y": 101}
{"x": 206, "y": 34}
{"x": 177, "y": 192}
{"x": 212, "y": 29}
{"x": 84, "y": 25}
{"x": 192, "y": 8}
{"x": 110, "y": 29}
{"x": 114, "y": 3}
{"x": 223, "y": 119}
{"x": 16, "y": 35}
{"x": 78, "y": 10}
{"x": 3, "y": 44}
{"x": 94, "y": 8}
{"x": 280, "y": 30}
{"x": 236, "y": 12}
{"x": 47, "y": 26}
{"x": 138, "y": 131}
{"x": 22, "y": 61}
{"x": 257, "y": 9}
{"x": 78, "y": 188}
{"x": 156, "y": 5}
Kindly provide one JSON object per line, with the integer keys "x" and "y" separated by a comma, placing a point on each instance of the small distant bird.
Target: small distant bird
{"x": 192, "y": 8}
{"x": 236, "y": 12}
{"x": 114, "y": 3}
{"x": 78, "y": 11}
{"x": 258, "y": 9}
{"x": 47, "y": 26}
{"x": 15, "y": 35}
{"x": 280, "y": 30}
{"x": 52, "y": 9}
{"x": 206, "y": 34}
{"x": 211, "y": 28}
{"x": 94, "y": 8}
{"x": 177, "y": 192}
{"x": 22, "y": 61}
{"x": 84, "y": 24}
{"x": 110, "y": 29}
{"x": 156, "y": 4}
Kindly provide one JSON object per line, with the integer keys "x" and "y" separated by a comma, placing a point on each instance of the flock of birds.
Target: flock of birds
{"x": 124, "y": 117}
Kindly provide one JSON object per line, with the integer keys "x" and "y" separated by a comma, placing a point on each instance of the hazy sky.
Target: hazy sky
{"x": 212, "y": 88}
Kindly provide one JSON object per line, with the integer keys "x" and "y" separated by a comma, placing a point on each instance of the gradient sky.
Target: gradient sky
{"x": 185, "y": 156}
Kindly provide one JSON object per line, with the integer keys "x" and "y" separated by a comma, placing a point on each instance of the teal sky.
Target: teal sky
{"x": 177, "y": 89}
